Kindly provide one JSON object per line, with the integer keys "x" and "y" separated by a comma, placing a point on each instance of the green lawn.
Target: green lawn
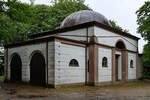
{"x": 1, "y": 77}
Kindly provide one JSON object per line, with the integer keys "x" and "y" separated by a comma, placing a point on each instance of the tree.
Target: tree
{"x": 15, "y": 18}
{"x": 143, "y": 21}
{"x": 62, "y": 8}
{"x": 42, "y": 16}
{"x": 114, "y": 25}
{"x": 50, "y": 17}
{"x": 12, "y": 31}
{"x": 20, "y": 19}
{"x": 146, "y": 61}
{"x": 32, "y": 2}
{"x": 57, "y": 1}
{"x": 16, "y": 10}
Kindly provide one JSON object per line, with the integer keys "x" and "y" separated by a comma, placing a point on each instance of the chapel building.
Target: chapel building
{"x": 85, "y": 50}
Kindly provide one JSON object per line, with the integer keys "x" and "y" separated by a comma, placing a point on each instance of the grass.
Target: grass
{"x": 137, "y": 84}
{"x": 1, "y": 77}
{"x": 28, "y": 91}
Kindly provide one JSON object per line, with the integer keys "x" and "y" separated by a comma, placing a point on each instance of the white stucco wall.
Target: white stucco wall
{"x": 132, "y": 71}
{"x": 51, "y": 63}
{"x": 104, "y": 73}
{"x": 63, "y": 73}
{"x": 25, "y": 54}
{"x": 79, "y": 34}
{"x": 111, "y": 41}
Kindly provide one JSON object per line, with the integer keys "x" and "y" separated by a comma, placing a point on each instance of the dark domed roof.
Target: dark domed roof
{"x": 84, "y": 16}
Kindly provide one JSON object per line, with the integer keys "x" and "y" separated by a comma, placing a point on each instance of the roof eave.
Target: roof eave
{"x": 84, "y": 25}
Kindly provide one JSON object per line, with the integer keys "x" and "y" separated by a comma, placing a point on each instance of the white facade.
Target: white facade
{"x": 64, "y": 74}
{"x": 60, "y": 54}
{"x": 109, "y": 38}
{"x": 105, "y": 73}
{"x": 131, "y": 71}
{"x": 25, "y": 53}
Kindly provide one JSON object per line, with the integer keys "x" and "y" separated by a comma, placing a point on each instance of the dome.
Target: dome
{"x": 84, "y": 16}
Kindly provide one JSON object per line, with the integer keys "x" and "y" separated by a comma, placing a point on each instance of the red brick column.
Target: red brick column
{"x": 113, "y": 65}
{"x": 124, "y": 65}
{"x": 93, "y": 62}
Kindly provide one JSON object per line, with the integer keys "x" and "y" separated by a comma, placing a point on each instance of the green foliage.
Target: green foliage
{"x": 146, "y": 61}
{"x": 41, "y": 14}
{"x": 20, "y": 19}
{"x": 62, "y": 8}
{"x": 143, "y": 20}
{"x": 17, "y": 11}
{"x": 15, "y": 18}
{"x": 1, "y": 77}
{"x": 114, "y": 25}
{"x": 57, "y": 1}
{"x": 50, "y": 17}
{"x": 12, "y": 31}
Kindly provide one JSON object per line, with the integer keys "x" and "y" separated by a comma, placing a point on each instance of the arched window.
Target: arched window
{"x": 131, "y": 64}
{"x": 73, "y": 63}
{"x": 104, "y": 62}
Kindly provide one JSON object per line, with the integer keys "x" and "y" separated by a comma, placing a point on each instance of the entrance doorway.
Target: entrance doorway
{"x": 119, "y": 60}
{"x": 37, "y": 70}
{"x": 118, "y": 68}
{"x": 16, "y": 68}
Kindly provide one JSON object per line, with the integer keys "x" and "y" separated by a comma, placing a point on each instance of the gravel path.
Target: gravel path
{"x": 129, "y": 91}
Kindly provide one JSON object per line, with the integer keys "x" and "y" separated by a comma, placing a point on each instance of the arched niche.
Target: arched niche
{"x": 120, "y": 45}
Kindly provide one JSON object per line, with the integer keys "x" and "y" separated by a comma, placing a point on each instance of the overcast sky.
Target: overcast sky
{"x": 121, "y": 11}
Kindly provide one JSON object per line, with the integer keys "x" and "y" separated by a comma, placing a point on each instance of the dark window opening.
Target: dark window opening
{"x": 104, "y": 62}
{"x": 74, "y": 63}
{"x": 131, "y": 64}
